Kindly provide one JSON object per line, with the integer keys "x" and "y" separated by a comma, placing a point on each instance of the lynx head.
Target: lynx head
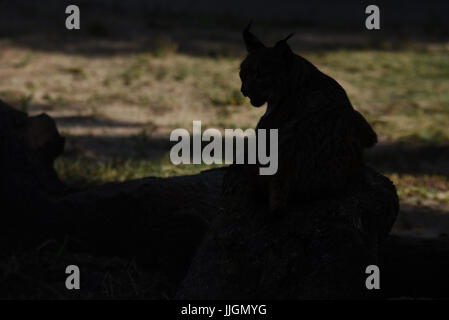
{"x": 264, "y": 72}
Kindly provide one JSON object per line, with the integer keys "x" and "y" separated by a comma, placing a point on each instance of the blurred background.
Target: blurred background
{"x": 138, "y": 69}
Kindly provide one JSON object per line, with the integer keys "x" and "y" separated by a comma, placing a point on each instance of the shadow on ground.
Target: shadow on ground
{"x": 411, "y": 159}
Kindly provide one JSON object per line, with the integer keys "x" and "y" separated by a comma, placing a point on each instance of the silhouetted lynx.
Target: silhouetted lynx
{"x": 321, "y": 136}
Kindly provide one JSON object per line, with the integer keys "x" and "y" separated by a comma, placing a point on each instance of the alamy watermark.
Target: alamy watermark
{"x": 73, "y": 19}
{"x": 73, "y": 279}
{"x": 249, "y": 146}
{"x": 372, "y": 21}
{"x": 373, "y": 280}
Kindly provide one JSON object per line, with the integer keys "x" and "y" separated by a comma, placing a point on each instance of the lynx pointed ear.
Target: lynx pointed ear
{"x": 251, "y": 41}
{"x": 282, "y": 44}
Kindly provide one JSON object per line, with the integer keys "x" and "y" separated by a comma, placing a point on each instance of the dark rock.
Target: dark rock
{"x": 318, "y": 250}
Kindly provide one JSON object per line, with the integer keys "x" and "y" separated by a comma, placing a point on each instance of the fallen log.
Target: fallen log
{"x": 158, "y": 221}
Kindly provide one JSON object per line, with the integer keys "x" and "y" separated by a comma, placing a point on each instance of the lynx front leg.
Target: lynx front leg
{"x": 279, "y": 190}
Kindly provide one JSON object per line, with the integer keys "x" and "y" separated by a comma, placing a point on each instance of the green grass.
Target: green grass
{"x": 81, "y": 172}
{"x": 406, "y": 92}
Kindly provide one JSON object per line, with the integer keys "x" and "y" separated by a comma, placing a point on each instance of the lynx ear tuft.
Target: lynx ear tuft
{"x": 252, "y": 43}
{"x": 288, "y": 37}
{"x": 282, "y": 44}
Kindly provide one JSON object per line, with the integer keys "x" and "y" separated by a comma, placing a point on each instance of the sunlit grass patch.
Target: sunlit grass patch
{"x": 404, "y": 91}
{"x": 421, "y": 187}
{"x": 78, "y": 73}
{"x": 138, "y": 67}
{"x": 231, "y": 97}
{"x": 23, "y": 62}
